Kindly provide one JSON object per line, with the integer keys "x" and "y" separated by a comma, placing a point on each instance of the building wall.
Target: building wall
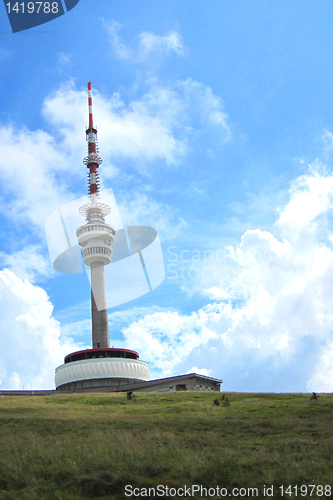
{"x": 171, "y": 384}
{"x": 112, "y": 383}
{"x": 99, "y": 369}
{"x": 192, "y": 384}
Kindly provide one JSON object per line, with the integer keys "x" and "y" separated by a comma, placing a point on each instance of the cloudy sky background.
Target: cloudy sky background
{"x": 215, "y": 125}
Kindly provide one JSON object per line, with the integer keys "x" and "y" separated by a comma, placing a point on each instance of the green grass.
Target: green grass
{"x": 70, "y": 447}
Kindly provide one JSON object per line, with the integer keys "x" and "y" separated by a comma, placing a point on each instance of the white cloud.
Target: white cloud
{"x": 171, "y": 42}
{"x": 64, "y": 59}
{"x": 40, "y": 171}
{"x": 149, "y": 44}
{"x": 327, "y": 139}
{"x": 30, "y": 342}
{"x": 28, "y": 169}
{"x": 154, "y": 129}
{"x": 321, "y": 380}
{"x": 119, "y": 48}
{"x": 34, "y": 162}
{"x": 311, "y": 197}
{"x": 164, "y": 337}
{"x": 270, "y": 326}
{"x": 80, "y": 329}
{"x": 4, "y": 54}
{"x": 28, "y": 263}
{"x": 15, "y": 382}
{"x": 142, "y": 131}
{"x": 157, "y": 126}
{"x": 201, "y": 371}
{"x": 139, "y": 209}
{"x": 200, "y": 97}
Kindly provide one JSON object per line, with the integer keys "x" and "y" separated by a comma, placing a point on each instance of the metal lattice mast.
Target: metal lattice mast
{"x": 93, "y": 160}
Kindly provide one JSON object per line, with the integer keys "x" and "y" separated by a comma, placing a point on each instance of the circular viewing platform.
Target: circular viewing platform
{"x": 94, "y": 229}
{"x": 92, "y": 368}
{"x": 101, "y": 353}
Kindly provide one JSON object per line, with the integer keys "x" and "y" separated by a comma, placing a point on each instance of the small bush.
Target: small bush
{"x": 131, "y": 396}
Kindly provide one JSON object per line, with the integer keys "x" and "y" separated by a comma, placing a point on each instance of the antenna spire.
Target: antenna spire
{"x": 93, "y": 160}
{"x": 91, "y": 120}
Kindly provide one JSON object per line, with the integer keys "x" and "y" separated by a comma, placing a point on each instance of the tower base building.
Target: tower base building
{"x": 100, "y": 368}
{"x": 187, "y": 382}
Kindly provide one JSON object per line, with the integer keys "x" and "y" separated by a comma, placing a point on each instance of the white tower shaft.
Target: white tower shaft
{"x": 100, "y": 333}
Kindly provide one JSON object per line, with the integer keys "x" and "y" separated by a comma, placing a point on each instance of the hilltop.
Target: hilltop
{"x": 68, "y": 447}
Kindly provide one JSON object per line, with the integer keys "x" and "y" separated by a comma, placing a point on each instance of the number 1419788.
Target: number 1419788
{"x": 309, "y": 490}
{"x": 30, "y": 7}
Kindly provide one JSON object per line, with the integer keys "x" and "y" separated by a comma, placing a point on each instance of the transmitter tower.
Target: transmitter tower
{"x": 96, "y": 238}
{"x": 100, "y": 366}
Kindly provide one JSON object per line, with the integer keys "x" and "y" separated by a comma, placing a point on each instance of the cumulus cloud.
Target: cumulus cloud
{"x": 164, "y": 337}
{"x": 142, "y": 130}
{"x": 157, "y": 126}
{"x": 200, "y": 97}
{"x": 31, "y": 169}
{"x": 80, "y": 329}
{"x": 40, "y": 169}
{"x": 321, "y": 380}
{"x": 311, "y": 198}
{"x": 120, "y": 50}
{"x": 201, "y": 371}
{"x": 139, "y": 209}
{"x": 269, "y": 323}
{"x": 149, "y": 44}
{"x": 171, "y": 42}
{"x": 28, "y": 263}
{"x": 30, "y": 341}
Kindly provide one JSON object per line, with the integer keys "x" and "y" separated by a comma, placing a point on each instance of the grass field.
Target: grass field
{"x": 69, "y": 447}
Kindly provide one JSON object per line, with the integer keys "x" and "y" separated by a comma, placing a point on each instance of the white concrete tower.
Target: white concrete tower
{"x": 101, "y": 367}
{"x": 96, "y": 238}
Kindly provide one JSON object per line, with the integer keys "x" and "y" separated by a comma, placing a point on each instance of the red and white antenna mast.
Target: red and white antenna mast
{"x": 93, "y": 160}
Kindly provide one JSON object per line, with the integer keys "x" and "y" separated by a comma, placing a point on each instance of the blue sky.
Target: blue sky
{"x": 216, "y": 129}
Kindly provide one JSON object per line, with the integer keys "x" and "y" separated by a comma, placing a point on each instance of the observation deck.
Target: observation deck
{"x": 101, "y": 353}
{"x": 96, "y": 241}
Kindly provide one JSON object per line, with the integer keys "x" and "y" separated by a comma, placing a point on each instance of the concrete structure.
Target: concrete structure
{"x": 188, "y": 382}
{"x": 96, "y": 240}
{"x": 99, "y": 366}
{"x": 95, "y": 368}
